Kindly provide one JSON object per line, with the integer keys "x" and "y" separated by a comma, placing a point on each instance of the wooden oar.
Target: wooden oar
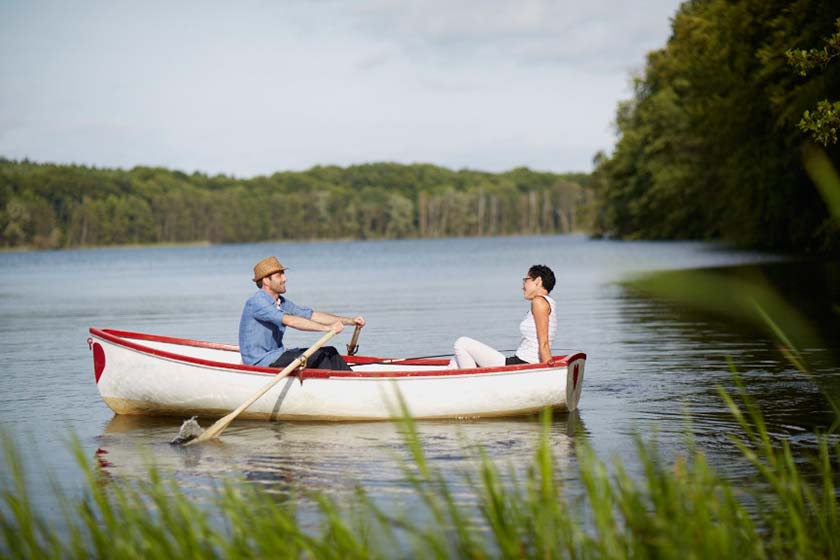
{"x": 221, "y": 424}
{"x": 398, "y": 360}
{"x": 353, "y": 347}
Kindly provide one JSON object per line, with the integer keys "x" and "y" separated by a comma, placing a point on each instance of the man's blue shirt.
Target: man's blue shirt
{"x": 261, "y": 327}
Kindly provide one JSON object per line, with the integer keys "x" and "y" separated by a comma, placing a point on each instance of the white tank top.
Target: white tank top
{"x": 529, "y": 349}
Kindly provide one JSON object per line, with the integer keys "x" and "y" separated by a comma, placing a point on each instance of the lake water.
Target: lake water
{"x": 650, "y": 366}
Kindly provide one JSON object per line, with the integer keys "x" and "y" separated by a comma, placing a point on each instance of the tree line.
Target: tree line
{"x": 58, "y": 206}
{"x": 711, "y": 144}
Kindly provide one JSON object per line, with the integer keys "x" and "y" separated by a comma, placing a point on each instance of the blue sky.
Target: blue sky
{"x": 249, "y": 88}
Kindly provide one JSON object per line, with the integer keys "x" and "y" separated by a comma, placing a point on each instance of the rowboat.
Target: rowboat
{"x": 151, "y": 375}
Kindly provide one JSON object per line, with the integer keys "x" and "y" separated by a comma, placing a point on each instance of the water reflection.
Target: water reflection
{"x": 678, "y": 357}
{"x": 329, "y": 457}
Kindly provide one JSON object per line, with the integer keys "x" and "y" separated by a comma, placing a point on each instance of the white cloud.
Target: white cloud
{"x": 523, "y": 32}
{"x": 265, "y": 86}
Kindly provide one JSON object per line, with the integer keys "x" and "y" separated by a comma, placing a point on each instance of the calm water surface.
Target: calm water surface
{"x": 650, "y": 367}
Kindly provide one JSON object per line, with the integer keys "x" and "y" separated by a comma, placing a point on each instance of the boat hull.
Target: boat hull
{"x": 141, "y": 374}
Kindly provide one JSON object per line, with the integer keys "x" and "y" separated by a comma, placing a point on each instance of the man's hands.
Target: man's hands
{"x": 338, "y": 326}
{"x": 322, "y": 322}
{"x": 329, "y": 320}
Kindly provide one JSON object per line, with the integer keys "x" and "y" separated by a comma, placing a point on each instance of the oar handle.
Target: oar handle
{"x": 216, "y": 429}
{"x": 353, "y": 347}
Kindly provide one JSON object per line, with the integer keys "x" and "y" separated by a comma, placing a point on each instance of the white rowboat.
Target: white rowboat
{"x": 143, "y": 374}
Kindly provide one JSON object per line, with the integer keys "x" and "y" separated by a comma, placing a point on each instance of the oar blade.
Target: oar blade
{"x": 213, "y": 431}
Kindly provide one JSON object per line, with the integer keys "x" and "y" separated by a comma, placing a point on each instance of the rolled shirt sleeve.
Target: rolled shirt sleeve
{"x": 290, "y": 307}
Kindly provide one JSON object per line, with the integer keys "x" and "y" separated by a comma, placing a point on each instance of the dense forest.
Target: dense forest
{"x": 53, "y": 206}
{"x": 711, "y": 145}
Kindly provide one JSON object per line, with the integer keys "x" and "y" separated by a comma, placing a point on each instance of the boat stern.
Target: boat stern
{"x": 574, "y": 380}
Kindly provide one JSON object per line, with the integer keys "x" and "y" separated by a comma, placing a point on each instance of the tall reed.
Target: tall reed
{"x": 677, "y": 509}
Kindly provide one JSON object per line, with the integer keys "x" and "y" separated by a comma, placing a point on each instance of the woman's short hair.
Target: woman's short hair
{"x": 542, "y": 271}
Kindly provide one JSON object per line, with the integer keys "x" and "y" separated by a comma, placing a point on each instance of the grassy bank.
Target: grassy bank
{"x": 679, "y": 508}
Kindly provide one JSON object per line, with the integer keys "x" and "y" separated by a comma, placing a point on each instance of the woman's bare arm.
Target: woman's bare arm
{"x": 540, "y": 309}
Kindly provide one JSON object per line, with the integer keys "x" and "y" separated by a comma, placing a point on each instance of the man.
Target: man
{"x": 267, "y": 314}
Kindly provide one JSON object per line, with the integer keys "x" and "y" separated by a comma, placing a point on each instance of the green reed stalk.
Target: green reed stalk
{"x": 675, "y": 509}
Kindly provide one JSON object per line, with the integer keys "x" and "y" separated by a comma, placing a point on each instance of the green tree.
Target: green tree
{"x": 16, "y": 219}
{"x": 823, "y": 121}
{"x": 709, "y": 146}
{"x": 46, "y": 205}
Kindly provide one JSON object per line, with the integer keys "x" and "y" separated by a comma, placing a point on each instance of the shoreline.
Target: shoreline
{"x": 165, "y": 244}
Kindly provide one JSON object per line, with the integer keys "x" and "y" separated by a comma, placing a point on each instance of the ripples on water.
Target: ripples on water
{"x": 651, "y": 368}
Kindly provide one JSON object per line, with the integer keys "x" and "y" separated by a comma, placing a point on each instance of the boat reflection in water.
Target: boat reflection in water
{"x": 328, "y": 457}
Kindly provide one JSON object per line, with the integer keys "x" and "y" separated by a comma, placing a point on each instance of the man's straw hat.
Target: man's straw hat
{"x": 267, "y": 267}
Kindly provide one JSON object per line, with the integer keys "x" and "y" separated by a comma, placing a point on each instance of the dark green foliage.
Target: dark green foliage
{"x": 52, "y": 206}
{"x": 823, "y": 121}
{"x": 710, "y": 146}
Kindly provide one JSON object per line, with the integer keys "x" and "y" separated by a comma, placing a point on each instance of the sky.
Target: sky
{"x": 249, "y": 88}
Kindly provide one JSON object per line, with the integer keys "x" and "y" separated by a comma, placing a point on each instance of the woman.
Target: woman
{"x": 537, "y": 329}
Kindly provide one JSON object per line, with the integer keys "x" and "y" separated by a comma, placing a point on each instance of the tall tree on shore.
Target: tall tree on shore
{"x": 709, "y": 146}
